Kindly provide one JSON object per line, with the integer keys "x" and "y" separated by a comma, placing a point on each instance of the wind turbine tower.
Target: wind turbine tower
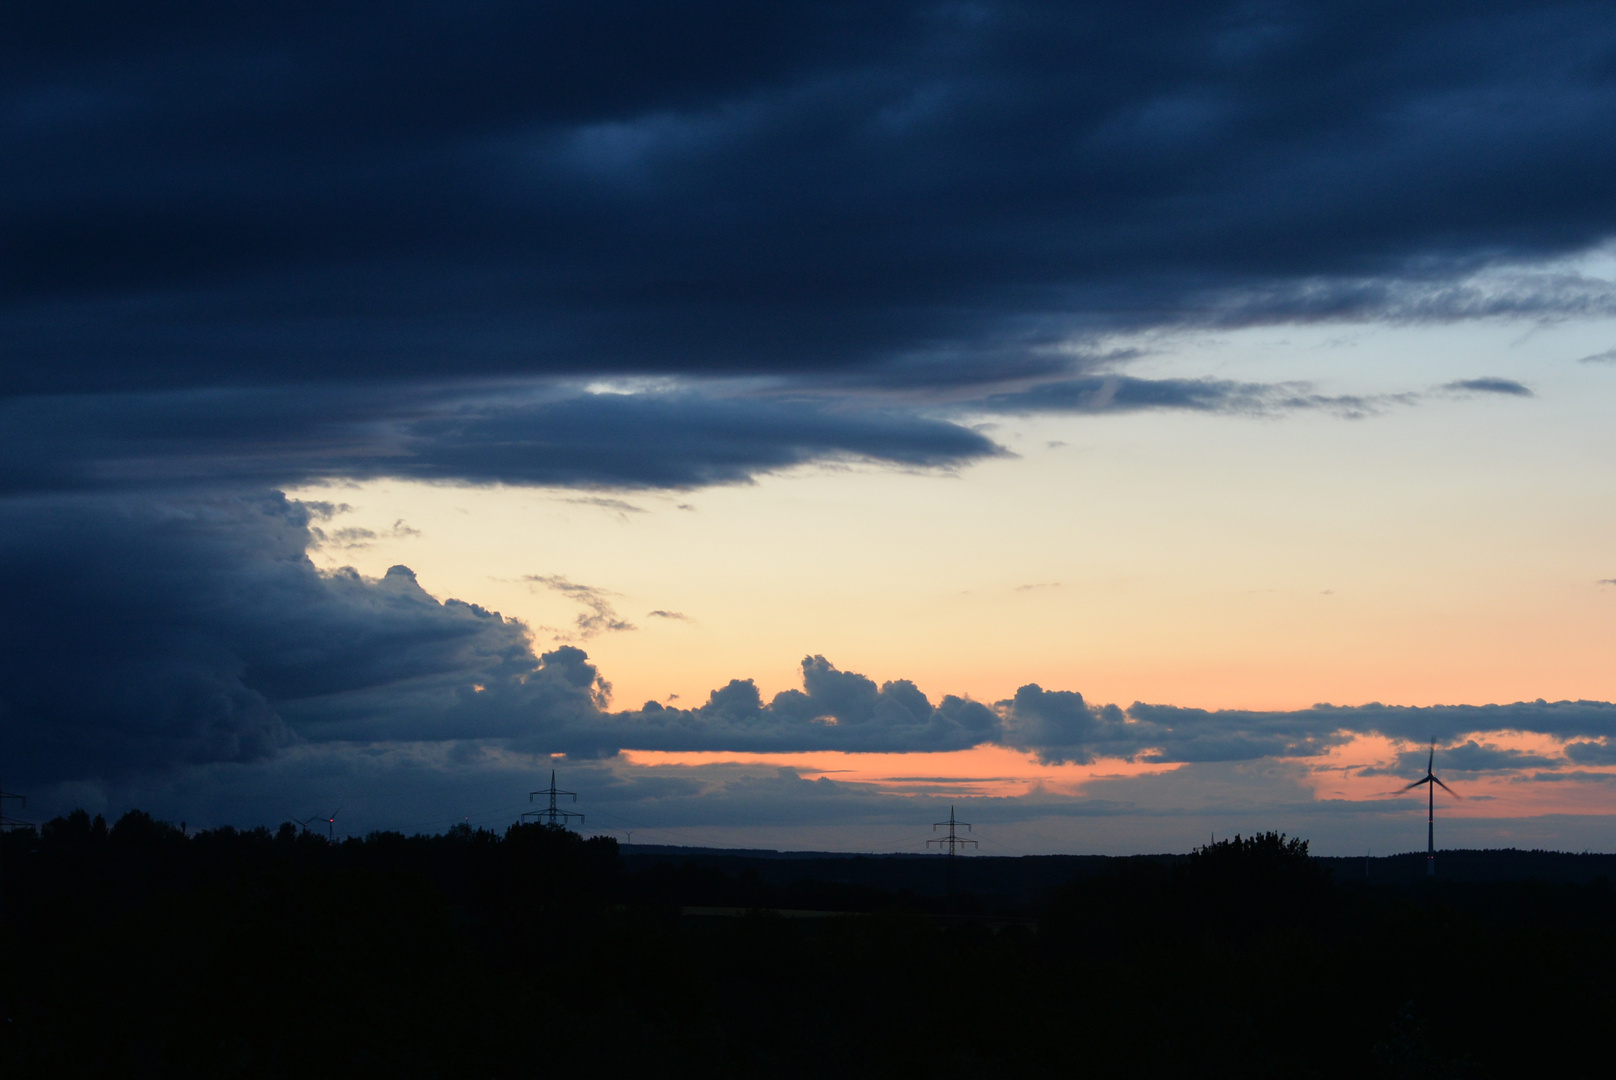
{"x": 331, "y": 826}
{"x": 1431, "y": 781}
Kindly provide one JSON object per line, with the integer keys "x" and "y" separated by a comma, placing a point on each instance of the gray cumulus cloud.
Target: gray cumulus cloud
{"x": 147, "y": 635}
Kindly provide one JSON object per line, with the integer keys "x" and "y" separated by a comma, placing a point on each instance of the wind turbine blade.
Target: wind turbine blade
{"x": 1449, "y": 790}
{"x": 1415, "y": 784}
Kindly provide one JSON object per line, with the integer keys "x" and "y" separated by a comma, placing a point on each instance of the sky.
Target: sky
{"x": 787, "y": 422}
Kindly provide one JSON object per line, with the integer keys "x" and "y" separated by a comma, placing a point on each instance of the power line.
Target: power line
{"x": 11, "y": 822}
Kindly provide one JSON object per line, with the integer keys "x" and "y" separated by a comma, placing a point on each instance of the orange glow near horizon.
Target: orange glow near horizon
{"x": 1585, "y": 789}
{"x": 1000, "y": 772}
{"x": 981, "y": 772}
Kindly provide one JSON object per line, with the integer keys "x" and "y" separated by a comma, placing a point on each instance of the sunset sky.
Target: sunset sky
{"x": 788, "y": 421}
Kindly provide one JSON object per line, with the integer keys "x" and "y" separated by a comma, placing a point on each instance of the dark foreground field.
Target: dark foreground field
{"x": 135, "y": 951}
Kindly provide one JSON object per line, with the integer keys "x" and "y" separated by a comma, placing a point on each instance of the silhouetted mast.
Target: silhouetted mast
{"x": 552, "y": 814}
{"x": 331, "y": 825}
{"x": 1431, "y": 782}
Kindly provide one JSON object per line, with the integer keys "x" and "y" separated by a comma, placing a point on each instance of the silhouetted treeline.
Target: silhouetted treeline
{"x": 136, "y": 951}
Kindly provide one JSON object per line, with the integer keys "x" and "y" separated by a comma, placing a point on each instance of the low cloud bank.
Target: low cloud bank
{"x": 147, "y": 636}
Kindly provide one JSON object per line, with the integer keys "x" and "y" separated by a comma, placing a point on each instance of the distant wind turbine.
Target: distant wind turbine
{"x": 1431, "y": 781}
{"x": 303, "y": 823}
{"x": 331, "y": 824}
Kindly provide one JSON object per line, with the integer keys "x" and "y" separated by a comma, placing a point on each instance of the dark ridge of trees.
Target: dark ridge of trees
{"x": 135, "y": 950}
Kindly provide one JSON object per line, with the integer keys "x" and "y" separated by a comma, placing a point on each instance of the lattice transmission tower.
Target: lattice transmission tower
{"x": 552, "y": 814}
{"x": 951, "y": 842}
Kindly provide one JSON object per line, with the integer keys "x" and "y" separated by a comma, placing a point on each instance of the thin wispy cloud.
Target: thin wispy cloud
{"x": 620, "y": 507}
{"x": 356, "y": 538}
{"x": 599, "y": 616}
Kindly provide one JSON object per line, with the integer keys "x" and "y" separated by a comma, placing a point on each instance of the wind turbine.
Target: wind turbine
{"x": 331, "y": 825}
{"x": 1431, "y": 781}
{"x": 303, "y": 823}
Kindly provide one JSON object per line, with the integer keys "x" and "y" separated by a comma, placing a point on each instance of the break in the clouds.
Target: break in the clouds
{"x": 146, "y": 636}
{"x": 198, "y": 195}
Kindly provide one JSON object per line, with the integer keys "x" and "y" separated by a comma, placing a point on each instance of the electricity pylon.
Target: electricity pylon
{"x": 11, "y": 822}
{"x": 550, "y": 814}
{"x": 951, "y": 842}
{"x": 8, "y": 823}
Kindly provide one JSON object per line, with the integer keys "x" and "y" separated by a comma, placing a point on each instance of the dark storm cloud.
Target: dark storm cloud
{"x": 524, "y": 435}
{"x": 141, "y": 636}
{"x": 198, "y": 195}
{"x": 555, "y": 434}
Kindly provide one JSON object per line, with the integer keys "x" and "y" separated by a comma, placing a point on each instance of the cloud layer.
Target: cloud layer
{"x": 254, "y": 250}
{"x": 521, "y": 435}
{"x": 147, "y": 636}
{"x": 203, "y": 196}
{"x": 250, "y": 249}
